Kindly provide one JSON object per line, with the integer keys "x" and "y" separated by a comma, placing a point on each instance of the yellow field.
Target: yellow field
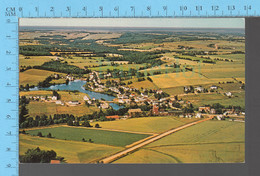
{"x": 34, "y": 60}
{"x": 184, "y": 79}
{"x": 72, "y": 151}
{"x": 207, "y": 142}
{"x": 145, "y": 124}
{"x": 50, "y": 108}
{"x": 34, "y": 76}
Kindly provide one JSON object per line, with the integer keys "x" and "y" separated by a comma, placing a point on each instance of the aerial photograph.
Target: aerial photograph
{"x": 147, "y": 91}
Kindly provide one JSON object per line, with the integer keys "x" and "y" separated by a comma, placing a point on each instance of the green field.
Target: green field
{"x": 207, "y": 142}
{"x": 145, "y": 124}
{"x": 98, "y": 136}
{"x": 34, "y": 76}
{"x": 72, "y": 151}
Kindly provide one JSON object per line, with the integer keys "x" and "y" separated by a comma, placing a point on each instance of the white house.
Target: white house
{"x": 213, "y": 87}
{"x": 85, "y": 98}
{"x": 229, "y": 94}
{"x": 54, "y": 98}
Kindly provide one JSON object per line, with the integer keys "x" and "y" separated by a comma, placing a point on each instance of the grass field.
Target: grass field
{"x": 72, "y": 151}
{"x": 183, "y": 79}
{"x": 208, "y": 142}
{"x": 146, "y": 124}
{"x": 41, "y": 108}
{"x": 98, "y": 136}
{"x": 34, "y": 76}
{"x": 34, "y": 60}
{"x": 50, "y": 108}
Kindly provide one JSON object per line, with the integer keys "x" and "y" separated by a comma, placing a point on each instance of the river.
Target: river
{"x": 78, "y": 85}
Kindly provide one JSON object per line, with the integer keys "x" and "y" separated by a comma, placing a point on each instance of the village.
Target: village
{"x": 144, "y": 102}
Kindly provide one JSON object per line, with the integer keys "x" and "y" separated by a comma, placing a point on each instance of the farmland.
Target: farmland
{"x": 147, "y": 124}
{"x": 73, "y": 151}
{"x": 208, "y": 142}
{"x": 97, "y": 136}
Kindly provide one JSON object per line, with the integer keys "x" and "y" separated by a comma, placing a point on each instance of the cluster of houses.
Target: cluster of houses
{"x": 199, "y": 89}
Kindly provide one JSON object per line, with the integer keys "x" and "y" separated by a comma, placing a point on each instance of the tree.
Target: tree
{"x": 39, "y": 156}
{"x": 49, "y": 135}
{"x": 70, "y": 122}
{"x": 83, "y": 140}
{"x": 97, "y": 126}
{"x": 86, "y": 124}
{"x": 39, "y": 134}
{"x": 67, "y": 81}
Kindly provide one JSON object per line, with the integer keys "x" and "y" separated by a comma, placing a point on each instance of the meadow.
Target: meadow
{"x": 207, "y": 142}
{"x": 113, "y": 138}
{"x": 72, "y": 151}
{"x": 146, "y": 124}
{"x": 34, "y": 76}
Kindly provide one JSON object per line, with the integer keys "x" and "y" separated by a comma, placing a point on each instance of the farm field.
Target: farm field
{"x": 34, "y": 76}
{"x": 113, "y": 138}
{"x": 72, "y": 151}
{"x": 41, "y": 108}
{"x": 183, "y": 79}
{"x": 208, "y": 142}
{"x": 51, "y": 108}
{"x": 146, "y": 124}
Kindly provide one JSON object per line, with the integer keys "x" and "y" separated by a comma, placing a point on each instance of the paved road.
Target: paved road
{"x": 139, "y": 145}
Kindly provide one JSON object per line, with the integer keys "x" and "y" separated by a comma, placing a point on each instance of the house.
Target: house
{"x": 159, "y": 91}
{"x": 134, "y": 112}
{"x": 199, "y": 89}
{"x": 85, "y": 98}
{"x": 198, "y": 115}
{"x": 229, "y": 94}
{"x": 54, "y": 98}
{"x": 213, "y": 111}
{"x": 43, "y": 98}
{"x": 187, "y": 88}
{"x": 213, "y": 87}
{"x": 219, "y": 117}
{"x": 55, "y": 161}
{"x": 120, "y": 101}
{"x": 112, "y": 117}
{"x": 73, "y": 103}
{"x": 155, "y": 110}
{"x": 206, "y": 109}
{"x": 59, "y": 102}
{"x": 104, "y": 105}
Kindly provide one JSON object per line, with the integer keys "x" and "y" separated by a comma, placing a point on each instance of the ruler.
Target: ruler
{"x": 11, "y": 11}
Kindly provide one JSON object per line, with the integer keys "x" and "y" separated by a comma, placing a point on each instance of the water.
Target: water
{"x": 78, "y": 85}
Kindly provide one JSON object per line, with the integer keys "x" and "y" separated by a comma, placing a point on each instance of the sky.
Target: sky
{"x": 136, "y": 22}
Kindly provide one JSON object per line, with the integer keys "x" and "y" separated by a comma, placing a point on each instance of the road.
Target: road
{"x": 150, "y": 140}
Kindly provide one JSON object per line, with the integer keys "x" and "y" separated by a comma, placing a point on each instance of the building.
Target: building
{"x": 199, "y": 89}
{"x": 73, "y": 102}
{"x": 206, "y": 109}
{"x": 213, "y": 87}
{"x": 198, "y": 115}
{"x": 54, "y": 98}
{"x": 112, "y": 117}
{"x": 213, "y": 111}
{"x": 134, "y": 112}
{"x": 85, "y": 98}
{"x": 155, "y": 110}
{"x": 104, "y": 105}
{"x": 229, "y": 94}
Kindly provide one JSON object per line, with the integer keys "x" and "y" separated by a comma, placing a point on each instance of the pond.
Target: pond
{"x": 78, "y": 85}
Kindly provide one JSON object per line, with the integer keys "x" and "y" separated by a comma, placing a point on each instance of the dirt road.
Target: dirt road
{"x": 139, "y": 145}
